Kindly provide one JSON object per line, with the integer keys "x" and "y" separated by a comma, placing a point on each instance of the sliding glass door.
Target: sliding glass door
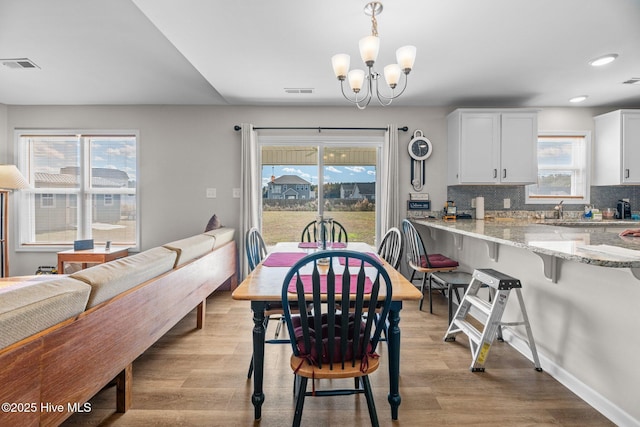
{"x": 333, "y": 177}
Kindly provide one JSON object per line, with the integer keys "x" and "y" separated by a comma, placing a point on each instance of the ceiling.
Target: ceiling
{"x": 503, "y": 53}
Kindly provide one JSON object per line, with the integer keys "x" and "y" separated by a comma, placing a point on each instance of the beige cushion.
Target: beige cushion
{"x": 112, "y": 278}
{"x": 191, "y": 247}
{"x": 222, "y": 235}
{"x": 37, "y": 304}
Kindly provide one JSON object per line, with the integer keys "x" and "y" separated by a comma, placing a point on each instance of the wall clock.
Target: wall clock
{"x": 420, "y": 149}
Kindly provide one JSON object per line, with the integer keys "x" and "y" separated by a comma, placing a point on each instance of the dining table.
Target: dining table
{"x": 264, "y": 285}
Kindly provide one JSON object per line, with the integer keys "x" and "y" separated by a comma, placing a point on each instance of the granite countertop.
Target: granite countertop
{"x": 589, "y": 242}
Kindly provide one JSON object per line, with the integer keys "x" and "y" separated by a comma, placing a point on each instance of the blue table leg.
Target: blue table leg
{"x": 258, "y": 356}
{"x": 393, "y": 342}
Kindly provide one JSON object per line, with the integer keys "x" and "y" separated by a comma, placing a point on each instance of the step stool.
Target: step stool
{"x": 490, "y": 315}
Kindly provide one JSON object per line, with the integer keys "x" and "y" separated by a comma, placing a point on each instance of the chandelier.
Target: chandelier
{"x": 369, "y": 47}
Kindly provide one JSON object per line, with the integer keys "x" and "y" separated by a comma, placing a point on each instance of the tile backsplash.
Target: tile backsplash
{"x": 494, "y": 195}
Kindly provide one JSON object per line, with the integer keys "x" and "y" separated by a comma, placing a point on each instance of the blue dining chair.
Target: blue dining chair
{"x": 256, "y": 253}
{"x": 333, "y": 231}
{"x": 422, "y": 262}
{"x": 339, "y": 338}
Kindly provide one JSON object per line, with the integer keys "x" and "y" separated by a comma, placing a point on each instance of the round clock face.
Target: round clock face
{"x": 420, "y": 148}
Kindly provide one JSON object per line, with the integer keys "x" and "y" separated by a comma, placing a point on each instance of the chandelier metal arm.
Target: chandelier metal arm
{"x": 356, "y": 101}
{"x": 392, "y": 97}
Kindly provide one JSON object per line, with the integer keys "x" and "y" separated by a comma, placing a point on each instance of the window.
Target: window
{"x": 47, "y": 201}
{"x": 83, "y": 186}
{"x": 563, "y": 164}
{"x": 319, "y": 169}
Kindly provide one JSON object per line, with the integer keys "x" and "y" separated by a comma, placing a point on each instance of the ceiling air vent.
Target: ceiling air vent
{"x": 20, "y": 63}
{"x": 632, "y": 81}
{"x": 298, "y": 90}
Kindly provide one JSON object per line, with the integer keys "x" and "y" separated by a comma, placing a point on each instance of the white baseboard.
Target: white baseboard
{"x": 592, "y": 397}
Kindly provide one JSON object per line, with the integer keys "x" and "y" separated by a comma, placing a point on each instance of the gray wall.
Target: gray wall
{"x": 186, "y": 149}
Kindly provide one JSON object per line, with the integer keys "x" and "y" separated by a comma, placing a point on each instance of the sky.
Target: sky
{"x": 332, "y": 174}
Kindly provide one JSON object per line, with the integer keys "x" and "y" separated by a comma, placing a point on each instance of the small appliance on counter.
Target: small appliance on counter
{"x": 623, "y": 210}
{"x": 450, "y": 210}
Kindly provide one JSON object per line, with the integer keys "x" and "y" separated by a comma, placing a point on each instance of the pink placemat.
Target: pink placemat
{"x": 354, "y": 262}
{"x": 308, "y": 287}
{"x": 283, "y": 259}
{"x": 315, "y": 245}
{"x": 308, "y": 245}
{"x": 338, "y": 245}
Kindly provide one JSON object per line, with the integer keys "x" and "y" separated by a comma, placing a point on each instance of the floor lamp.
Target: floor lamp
{"x": 10, "y": 179}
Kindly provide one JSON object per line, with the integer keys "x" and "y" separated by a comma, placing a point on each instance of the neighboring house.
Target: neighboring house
{"x": 358, "y": 190}
{"x": 58, "y": 211}
{"x": 346, "y": 190}
{"x": 289, "y": 187}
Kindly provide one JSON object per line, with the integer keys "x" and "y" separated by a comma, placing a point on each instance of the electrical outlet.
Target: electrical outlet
{"x": 507, "y": 203}
{"x": 236, "y": 193}
{"x": 211, "y": 193}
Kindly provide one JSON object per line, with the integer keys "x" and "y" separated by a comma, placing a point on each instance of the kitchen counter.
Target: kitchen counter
{"x": 589, "y": 242}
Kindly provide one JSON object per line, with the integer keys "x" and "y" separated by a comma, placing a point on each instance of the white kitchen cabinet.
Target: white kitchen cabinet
{"x": 616, "y": 154}
{"x": 490, "y": 146}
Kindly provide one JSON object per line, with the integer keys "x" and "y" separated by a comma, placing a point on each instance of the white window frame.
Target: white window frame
{"x": 322, "y": 142}
{"x": 50, "y": 197}
{"x": 584, "y": 166}
{"x": 22, "y": 209}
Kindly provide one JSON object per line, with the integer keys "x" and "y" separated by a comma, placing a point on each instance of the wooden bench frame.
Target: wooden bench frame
{"x": 70, "y": 362}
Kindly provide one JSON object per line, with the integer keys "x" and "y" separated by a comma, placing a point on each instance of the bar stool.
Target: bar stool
{"x": 452, "y": 281}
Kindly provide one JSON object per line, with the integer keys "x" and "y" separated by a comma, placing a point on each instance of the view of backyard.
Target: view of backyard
{"x": 286, "y": 226}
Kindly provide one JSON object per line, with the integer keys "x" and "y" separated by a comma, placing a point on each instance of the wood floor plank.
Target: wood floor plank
{"x": 194, "y": 377}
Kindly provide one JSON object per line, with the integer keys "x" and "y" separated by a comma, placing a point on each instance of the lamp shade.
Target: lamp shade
{"x": 341, "y": 64}
{"x": 369, "y": 47}
{"x": 11, "y": 178}
{"x": 356, "y": 78}
{"x": 392, "y": 74}
{"x": 406, "y": 56}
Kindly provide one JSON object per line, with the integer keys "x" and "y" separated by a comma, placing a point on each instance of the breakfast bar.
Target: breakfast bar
{"x": 589, "y": 242}
{"x": 582, "y": 299}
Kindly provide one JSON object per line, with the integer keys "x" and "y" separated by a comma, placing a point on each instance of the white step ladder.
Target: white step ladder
{"x": 490, "y": 315}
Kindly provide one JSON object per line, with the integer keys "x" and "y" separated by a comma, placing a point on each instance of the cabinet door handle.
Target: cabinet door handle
{"x": 626, "y": 173}
{"x": 495, "y": 173}
{"x": 504, "y": 173}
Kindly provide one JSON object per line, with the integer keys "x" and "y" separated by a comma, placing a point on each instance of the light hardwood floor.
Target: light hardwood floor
{"x": 196, "y": 377}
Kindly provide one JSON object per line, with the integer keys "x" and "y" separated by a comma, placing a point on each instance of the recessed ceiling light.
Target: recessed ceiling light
{"x": 578, "y": 99}
{"x": 603, "y": 60}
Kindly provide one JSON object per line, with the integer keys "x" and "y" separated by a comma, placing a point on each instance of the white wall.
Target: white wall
{"x": 185, "y": 149}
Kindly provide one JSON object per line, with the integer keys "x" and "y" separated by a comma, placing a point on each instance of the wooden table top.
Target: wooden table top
{"x": 265, "y": 283}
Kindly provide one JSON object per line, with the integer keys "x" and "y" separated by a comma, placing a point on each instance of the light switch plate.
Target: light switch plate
{"x": 211, "y": 193}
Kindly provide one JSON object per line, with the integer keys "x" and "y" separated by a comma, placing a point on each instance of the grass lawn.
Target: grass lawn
{"x": 287, "y": 226}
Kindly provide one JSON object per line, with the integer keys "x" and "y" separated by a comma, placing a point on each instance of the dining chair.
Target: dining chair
{"x": 420, "y": 261}
{"x": 390, "y": 248}
{"x": 256, "y": 252}
{"x": 312, "y": 232}
{"x": 336, "y": 344}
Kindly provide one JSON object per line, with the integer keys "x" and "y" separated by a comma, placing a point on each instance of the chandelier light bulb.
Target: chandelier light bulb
{"x": 392, "y": 74}
{"x": 369, "y": 48}
{"x": 364, "y": 84}
{"x": 356, "y": 78}
{"x": 341, "y": 64}
{"x": 406, "y": 56}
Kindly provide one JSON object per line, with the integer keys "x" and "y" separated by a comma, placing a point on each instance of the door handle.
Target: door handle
{"x": 495, "y": 173}
{"x": 504, "y": 173}
{"x": 626, "y": 173}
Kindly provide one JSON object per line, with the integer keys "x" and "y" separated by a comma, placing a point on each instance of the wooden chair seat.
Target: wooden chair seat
{"x": 304, "y": 369}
